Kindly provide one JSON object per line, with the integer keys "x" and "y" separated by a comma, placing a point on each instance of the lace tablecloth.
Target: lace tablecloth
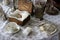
{"x": 54, "y": 19}
{"x": 36, "y": 35}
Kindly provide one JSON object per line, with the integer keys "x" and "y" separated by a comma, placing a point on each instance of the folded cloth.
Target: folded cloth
{"x": 7, "y": 9}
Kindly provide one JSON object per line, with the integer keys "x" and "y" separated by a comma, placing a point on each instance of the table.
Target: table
{"x": 34, "y": 24}
{"x": 37, "y": 35}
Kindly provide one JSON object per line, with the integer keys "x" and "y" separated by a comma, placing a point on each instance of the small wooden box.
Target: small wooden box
{"x": 21, "y": 22}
